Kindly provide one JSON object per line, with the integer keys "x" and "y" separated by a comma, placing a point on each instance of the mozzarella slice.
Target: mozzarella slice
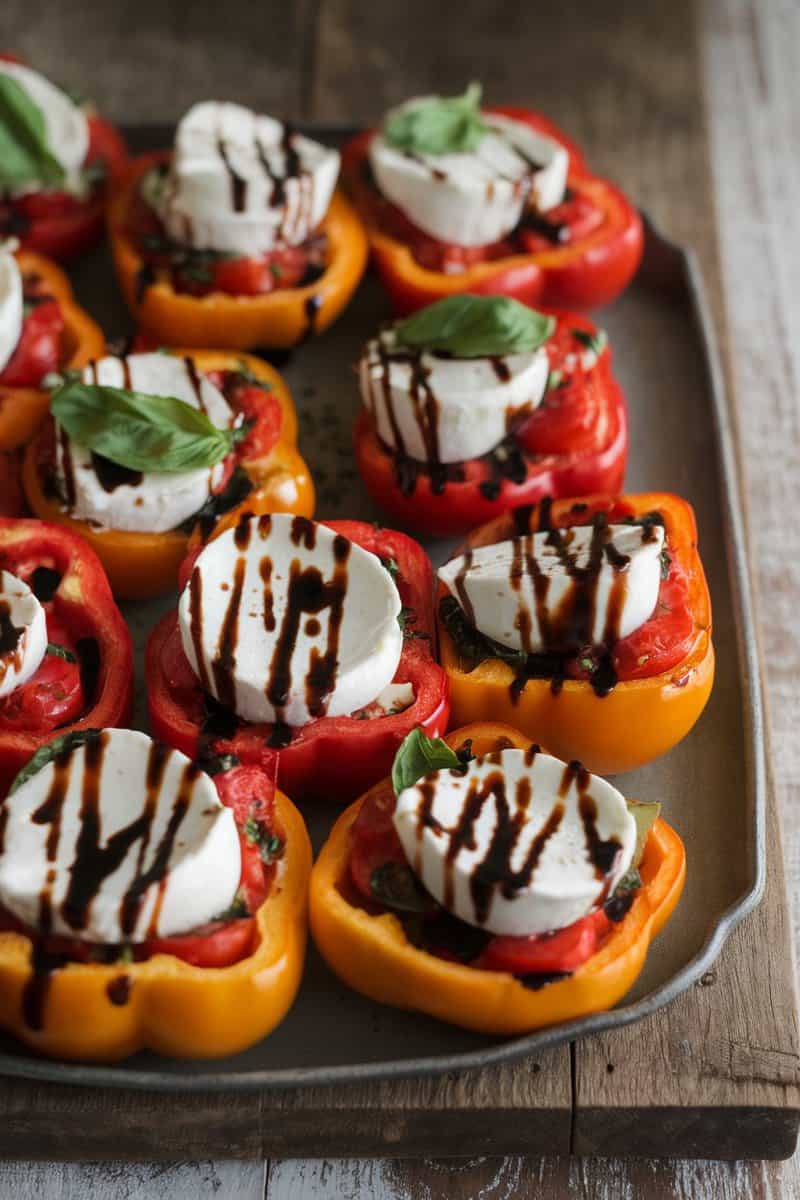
{"x": 23, "y": 633}
{"x": 477, "y": 197}
{"x": 11, "y": 306}
{"x": 113, "y": 497}
{"x": 518, "y": 844}
{"x": 242, "y": 183}
{"x": 116, "y": 841}
{"x": 65, "y": 123}
{"x": 563, "y": 590}
{"x": 440, "y": 409}
{"x": 284, "y": 620}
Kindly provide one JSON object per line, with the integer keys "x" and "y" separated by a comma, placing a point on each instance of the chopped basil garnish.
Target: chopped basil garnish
{"x": 394, "y": 885}
{"x": 215, "y": 764}
{"x": 645, "y": 814}
{"x": 475, "y": 327}
{"x": 437, "y": 124}
{"x": 406, "y": 617}
{"x": 417, "y": 756}
{"x": 237, "y": 909}
{"x": 156, "y": 434}
{"x": 24, "y": 154}
{"x": 249, "y": 376}
{"x": 554, "y": 380}
{"x": 666, "y": 563}
{"x": 46, "y": 754}
{"x": 391, "y": 566}
{"x": 595, "y": 342}
{"x": 269, "y": 845}
{"x": 61, "y": 652}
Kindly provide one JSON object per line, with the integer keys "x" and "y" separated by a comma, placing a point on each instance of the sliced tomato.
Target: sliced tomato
{"x": 374, "y": 840}
{"x": 219, "y": 944}
{"x": 260, "y": 407}
{"x": 53, "y": 696}
{"x": 564, "y": 950}
{"x": 38, "y": 351}
{"x": 663, "y": 641}
{"x": 575, "y": 218}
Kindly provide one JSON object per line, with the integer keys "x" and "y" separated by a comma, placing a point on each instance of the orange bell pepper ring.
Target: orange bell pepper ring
{"x": 22, "y": 409}
{"x": 279, "y": 318}
{"x": 146, "y": 564}
{"x": 372, "y": 954}
{"x": 97, "y": 1012}
{"x": 664, "y": 670}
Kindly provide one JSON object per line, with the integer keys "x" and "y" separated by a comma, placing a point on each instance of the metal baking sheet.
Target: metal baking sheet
{"x": 712, "y": 786}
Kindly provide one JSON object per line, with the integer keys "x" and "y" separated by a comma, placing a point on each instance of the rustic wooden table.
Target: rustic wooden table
{"x": 692, "y": 108}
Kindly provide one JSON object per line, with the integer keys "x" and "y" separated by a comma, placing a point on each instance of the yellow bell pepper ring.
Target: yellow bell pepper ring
{"x": 372, "y": 954}
{"x": 101, "y": 1013}
{"x": 280, "y": 318}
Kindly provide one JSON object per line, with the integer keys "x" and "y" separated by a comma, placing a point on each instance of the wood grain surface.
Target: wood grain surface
{"x": 626, "y": 81}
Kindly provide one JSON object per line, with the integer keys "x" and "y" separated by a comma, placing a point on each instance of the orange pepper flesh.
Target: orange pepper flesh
{"x": 22, "y": 409}
{"x": 173, "y": 1008}
{"x": 373, "y": 956}
{"x": 146, "y": 564}
{"x": 280, "y": 319}
{"x": 639, "y": 719}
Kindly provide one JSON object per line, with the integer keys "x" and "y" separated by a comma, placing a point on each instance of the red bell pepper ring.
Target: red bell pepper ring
{"x": 333, "y": 756}
{"x": 598, "y": 261}
{"x": 94, "y": 692}
{"x": 575, "y": 443}
{"x": 56, "y": 223}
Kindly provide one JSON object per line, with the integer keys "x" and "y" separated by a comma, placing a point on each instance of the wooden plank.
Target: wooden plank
{"x": 134, "y": 1181}
{"x": 150, "y": 61}
{"x": 475, "y": 1109}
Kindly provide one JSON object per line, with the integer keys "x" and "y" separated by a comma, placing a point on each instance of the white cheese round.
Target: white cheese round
{"x": 65, "y": 123}
{"x": 244, "y": 183}
{"x": 23, "y": 633}
{"x": 440, "y": 409}
{"x": 284, "y": 620}
{"x": 519, "y": 844}
{"x": 148, "y": 502}
{"x": 11, "y": 306}
{"x": 125, "y": 838}
{"x": 598, "y": 589}
{"x": 475, "y": 197}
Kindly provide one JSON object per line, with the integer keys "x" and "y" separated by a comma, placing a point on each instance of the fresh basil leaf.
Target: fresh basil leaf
{"x": 24, "y": 153}
{"x": 268, "y": 843}
{"x": 244, "y": 371}
{"x": 61, "y": 652}
{"x": 437, "y": 124}
{"x": 645, "y": 814}
{"x": 45, "y": 754}
{"x": 394, "y": 885}
{"x": 417, "y": 756}
{"x": 475, "y": 327}
{"x": 156, "y": 434}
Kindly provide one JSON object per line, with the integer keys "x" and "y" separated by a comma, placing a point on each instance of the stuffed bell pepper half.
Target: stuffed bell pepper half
{"x": 479, "y": 404}
{"x": 492, "y": 885}
{"x": 237, "y": 237}
{"x": 147, "y": 901}
{"x": 496, "y": 201}
{"x": 141, "y": 449}
{"x": 314, "y": 640}
{"x": 586, "y": 623}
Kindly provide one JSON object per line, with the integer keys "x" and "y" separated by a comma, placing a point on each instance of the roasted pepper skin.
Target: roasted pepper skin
{"x": 586, "y": 275}
{"x": 146, "y": 564}
{"x": 279, "y": 319}
{"x": 22, "y": 409}
{"x": 640, "y": 719}
{"x": 373, "y": 956}
{"x": 173, "y": 1008}
{"x": 334, "y": 757}
{"x": 84, "y": 603}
